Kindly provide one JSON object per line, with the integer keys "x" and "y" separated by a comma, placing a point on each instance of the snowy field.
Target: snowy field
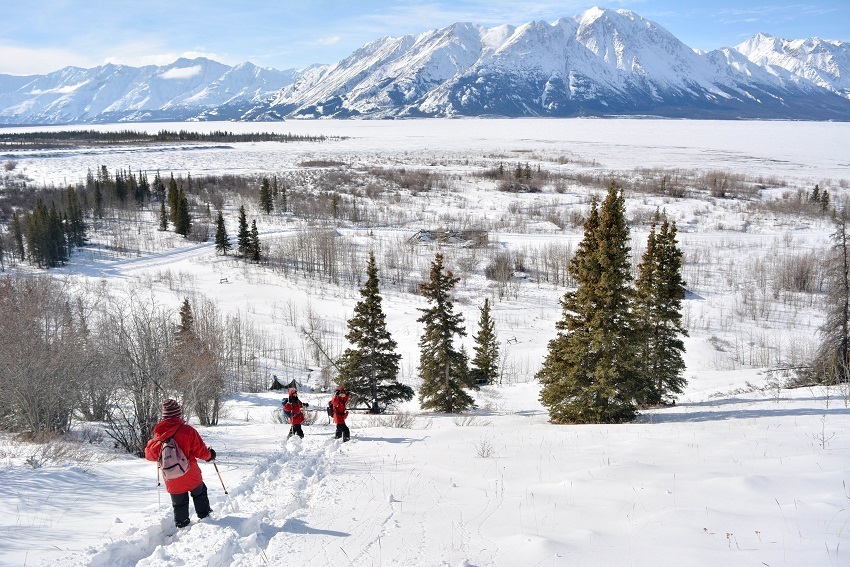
{"x": 740, "y": 472}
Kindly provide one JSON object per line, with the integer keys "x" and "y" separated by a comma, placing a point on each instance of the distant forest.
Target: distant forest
{"x": 75, "y": 138}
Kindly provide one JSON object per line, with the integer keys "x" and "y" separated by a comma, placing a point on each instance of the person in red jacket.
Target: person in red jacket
{"x": 292, "y": 407}
{"x": 340, "y": 413}
{"x": 191, "y": 482}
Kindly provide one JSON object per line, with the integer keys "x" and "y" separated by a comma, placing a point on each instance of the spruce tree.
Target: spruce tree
{"x": 158, "y": 188}
{"x": 590, "y": 374}
{"x": 266, "y": 201}
{"x": 182, "y": 219}
{"x": 255, "y": 252}
{"x": 98, "y": 200}
{"x": 76, "y": 226}
{"x": 163, "y": 217}
{"x": 18, "y": 236}
{"x": 222, "y": 240}
{"x": 485, "y": 364}
{"x": 243, "y": 237}
{"x": 442, "y": 368}
{"x": 186, "y": 326}
{"x": 369, "y": 368}
{"x": 173, "y": 199}
{"x": 831, "y": 364}
{"x": 659, "y": 291}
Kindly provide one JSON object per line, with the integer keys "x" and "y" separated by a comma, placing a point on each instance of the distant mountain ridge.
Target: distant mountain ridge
{"x": 188, "y": 89}
{"x": 598, "y": 63}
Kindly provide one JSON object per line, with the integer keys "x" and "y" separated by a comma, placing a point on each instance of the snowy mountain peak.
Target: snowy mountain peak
{"x": 599, "y": 62}
{"x": 826, "y": 63}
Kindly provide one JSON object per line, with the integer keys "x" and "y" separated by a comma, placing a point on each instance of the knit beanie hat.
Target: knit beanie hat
{"x": 170, "y": 408}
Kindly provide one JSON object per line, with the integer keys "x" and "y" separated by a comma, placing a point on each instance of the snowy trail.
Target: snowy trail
{"x": 267, "y": 509}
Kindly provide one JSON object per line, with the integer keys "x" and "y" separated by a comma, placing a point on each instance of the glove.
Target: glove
{"x": 212, "y": 455}
{"x": 306, "y": 405}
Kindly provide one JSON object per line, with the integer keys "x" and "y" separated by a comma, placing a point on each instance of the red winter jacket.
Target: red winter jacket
{"x": 338, "y": 404}
{"x": 294, "y": 409}
{"x": 190, "y": 443}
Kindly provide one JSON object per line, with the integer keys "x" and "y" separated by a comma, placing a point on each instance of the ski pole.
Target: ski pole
{"x": 232, "y": 507}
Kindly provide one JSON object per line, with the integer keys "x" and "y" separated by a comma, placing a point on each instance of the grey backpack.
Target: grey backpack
{"x": 172, "y": 460}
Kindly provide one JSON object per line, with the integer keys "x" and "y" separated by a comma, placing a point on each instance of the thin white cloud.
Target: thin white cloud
{"x": 17, "y": 60}
{"x": 163, "y": 58}
{"x": 58, "y": 90}
{"x": 182, "y": 72}
{"x": 333, "y": 40}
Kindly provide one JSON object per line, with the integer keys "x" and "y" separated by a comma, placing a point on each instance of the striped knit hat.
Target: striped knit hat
{"x": 170, "y": 408}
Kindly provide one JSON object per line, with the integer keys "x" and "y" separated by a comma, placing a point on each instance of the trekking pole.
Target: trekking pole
{"x": 159, "y": 486}
{"x": 232, "y": 506}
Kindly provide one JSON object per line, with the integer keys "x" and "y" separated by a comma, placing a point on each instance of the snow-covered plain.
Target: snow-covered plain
{"x": 739, "y": 472}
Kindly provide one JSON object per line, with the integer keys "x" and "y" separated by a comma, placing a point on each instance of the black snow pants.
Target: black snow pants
{"x": 180, "y": 503}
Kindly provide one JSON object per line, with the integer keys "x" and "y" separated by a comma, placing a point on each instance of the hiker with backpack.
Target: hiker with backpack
{"x": 292, "y": 409}
{"x": 337, "y": 405}
{"x": 176, "y": 446}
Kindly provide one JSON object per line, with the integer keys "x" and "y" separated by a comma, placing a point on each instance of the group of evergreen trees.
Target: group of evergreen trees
{"x": 618, "y": 347}
{"x": 369, "y": 368}
{"x": 48, "y": 234}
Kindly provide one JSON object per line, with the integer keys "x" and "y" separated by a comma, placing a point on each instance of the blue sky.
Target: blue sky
{"x": 45, "y": 35}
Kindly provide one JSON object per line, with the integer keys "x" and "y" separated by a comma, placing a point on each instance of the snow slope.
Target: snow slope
{"x": 739, "y": 473}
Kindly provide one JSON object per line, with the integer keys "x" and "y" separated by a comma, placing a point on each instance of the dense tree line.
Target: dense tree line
{"x": 66, "y": 138}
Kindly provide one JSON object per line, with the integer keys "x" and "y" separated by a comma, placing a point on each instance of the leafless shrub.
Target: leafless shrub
{"x": 10, "y": 165}
{"x": 501, "y": 267}
{"x": 484, "y": 449}
{"x": 398, "y": 420}
{"x": 59, "y": 451}
{"x": 798, "y": 273}
{"x": 470, "y": 421}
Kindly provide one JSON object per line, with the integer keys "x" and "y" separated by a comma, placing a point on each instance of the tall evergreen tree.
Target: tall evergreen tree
{"x": 255, "y": 251}
{"x": 120, "y": 187}
{"x": 659, "y": 291}
{"x": 370, "y": 367}
{"x": 76, "y": 227}
{"x": 591, "y": 374}
{"x": 222, "y": 240}
{"x": 98, "y": 200}
{"x": 266, "y": 200}
{"x": 163, "y": 216}
{"x": 18, "y": 236}
{"x": 173, "y": 199}
{"x": 442, "y": 368}
{"x": 832, "y": 359}
{"x": 158, "y": 187}
{"x": 243, "y": 236}
{"x": 485, "y": 363}
{"x": 182, "y": 219}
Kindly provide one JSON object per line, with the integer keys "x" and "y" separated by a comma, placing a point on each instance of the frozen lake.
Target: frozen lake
{"x": 808, "y": 152}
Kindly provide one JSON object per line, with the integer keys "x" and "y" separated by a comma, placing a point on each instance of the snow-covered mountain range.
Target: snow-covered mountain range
{"x": 188, "y": 89}
{"x": 598, "y": 63}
